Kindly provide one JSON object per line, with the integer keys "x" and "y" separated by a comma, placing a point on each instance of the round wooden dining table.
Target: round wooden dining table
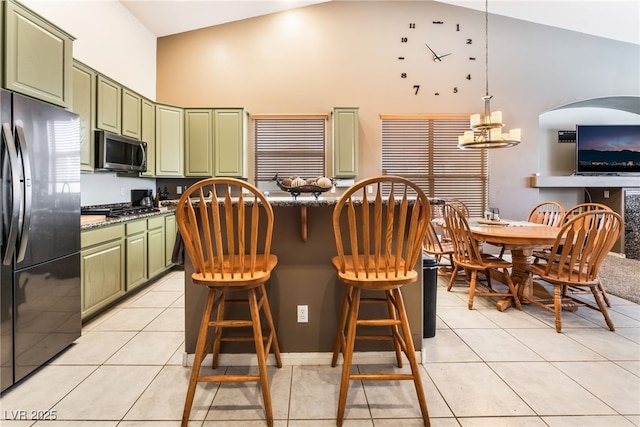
{"x": 521, "y": 238}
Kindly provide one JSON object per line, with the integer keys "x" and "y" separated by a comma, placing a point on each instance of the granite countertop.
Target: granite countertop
{"x": 275, "y": 201}
{"x": 88, "y": 222}
{"x": 167, "y": 206}
{"x": 287, "y": 200}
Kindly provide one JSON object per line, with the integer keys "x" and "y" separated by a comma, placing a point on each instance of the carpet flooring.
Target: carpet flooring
{"x": 621, "y": 277}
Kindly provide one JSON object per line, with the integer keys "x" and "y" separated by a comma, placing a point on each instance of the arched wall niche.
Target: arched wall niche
{"x": 559, "y": 159}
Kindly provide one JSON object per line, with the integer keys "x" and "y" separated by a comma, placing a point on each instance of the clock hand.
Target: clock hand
{"x": 436, "y": 57}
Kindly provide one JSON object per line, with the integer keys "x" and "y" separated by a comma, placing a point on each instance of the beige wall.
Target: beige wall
{"x": 334, "y": 54}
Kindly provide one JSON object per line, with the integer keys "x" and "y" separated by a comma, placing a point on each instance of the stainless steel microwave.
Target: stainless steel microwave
{"x": 119, "y": 153}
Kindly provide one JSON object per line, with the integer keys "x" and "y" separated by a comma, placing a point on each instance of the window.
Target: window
{"x": 287, "y": 145}
{"x": 424, "y": 149}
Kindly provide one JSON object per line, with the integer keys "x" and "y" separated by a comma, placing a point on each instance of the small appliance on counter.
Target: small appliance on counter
{"x": 142, "y": 198}
{"x": 164, "y": 195}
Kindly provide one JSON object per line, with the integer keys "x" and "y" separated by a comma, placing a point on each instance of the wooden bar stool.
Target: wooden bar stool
{"x": 229, "y": 245}
{"x": 378, "y": 240}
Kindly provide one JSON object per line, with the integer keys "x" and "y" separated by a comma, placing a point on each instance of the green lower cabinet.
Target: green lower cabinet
{"x": 102, "y": 268}
{"x": 136, "y": 253}
{"x": 119, "y": 258}
{"x": 156, "y": 246}
{"x": 170, "y": 228}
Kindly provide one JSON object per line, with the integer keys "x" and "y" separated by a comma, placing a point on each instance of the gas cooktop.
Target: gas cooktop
{"x": 117, "y": 211}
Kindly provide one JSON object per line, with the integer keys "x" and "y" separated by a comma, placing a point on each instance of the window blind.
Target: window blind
{"x": 424, "y": 149}
{"x": 288, "y": 146}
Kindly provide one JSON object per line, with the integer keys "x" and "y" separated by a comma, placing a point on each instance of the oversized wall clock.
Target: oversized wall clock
{"x": 438, "y": 57}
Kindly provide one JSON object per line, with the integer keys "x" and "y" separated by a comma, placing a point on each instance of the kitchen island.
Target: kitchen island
{"x": 304, "y": 243}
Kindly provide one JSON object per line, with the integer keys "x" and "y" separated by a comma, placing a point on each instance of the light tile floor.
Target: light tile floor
{"x": 483, "y": 368}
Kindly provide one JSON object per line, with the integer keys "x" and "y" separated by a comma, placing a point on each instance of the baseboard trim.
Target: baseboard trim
{"x": 300, "y": 359}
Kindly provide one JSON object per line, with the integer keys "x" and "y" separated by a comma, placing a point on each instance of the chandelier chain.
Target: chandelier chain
{"x": 486, "y": 46}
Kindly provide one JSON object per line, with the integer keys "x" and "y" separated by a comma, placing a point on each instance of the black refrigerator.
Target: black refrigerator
{"x": 40, "y": 259}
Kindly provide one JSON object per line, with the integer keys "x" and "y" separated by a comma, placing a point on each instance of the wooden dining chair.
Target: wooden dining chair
{"x": 468, "y": 256}
{"x": 462, "y": 207}
{"x": 228, "y": 240}
{"x": 434, "y": 245}
{"x": 583, "y": 207}
{"x": 379, "y": 240}
{"x": 586, "y": 207}
{"x": 583, "y": 243}
{"x": 549, "y": 213}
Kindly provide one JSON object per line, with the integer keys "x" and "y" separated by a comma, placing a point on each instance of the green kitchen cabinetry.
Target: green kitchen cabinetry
{"x": 117, "y": 259}
{"x": 346, "y": 131}
{"x": 198, "y": 128}
{"x": 170, "y": 229}
{"x": 229, "y": 142}
{"x": 83, "y": 103}
{"x": 156, "y": 246}
{"x": 136, "y": 246}
{"x": 109, "y": 105}
{"x": 149, "y": 135}
{"x": 131, "y": 114}
{"x": 38, "y": 56}
{"x": 102, "y": 267}
{"x": 169, "y": 141}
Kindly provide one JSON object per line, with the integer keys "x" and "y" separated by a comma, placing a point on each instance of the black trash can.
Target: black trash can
{"x": 429, "y": 287}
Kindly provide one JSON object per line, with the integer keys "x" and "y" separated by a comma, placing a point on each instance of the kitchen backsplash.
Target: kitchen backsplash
{"x": 105, "y": 188}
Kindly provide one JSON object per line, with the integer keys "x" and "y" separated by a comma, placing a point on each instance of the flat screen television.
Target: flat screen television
{"x": 607, "y": 149}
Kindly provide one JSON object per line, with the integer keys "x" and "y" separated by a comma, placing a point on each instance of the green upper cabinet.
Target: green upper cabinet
{"x": 109, "y": 105}
{"x": 229, "y": 143}
{"x": 83, "y": 103}
{"x": 131, "y": 114}
{"x": 38, "y": 56}
{"x": 198, "y": 128}
{"x": 345, "y": 142}
{"x": 169, "y": 141}
{"x": 149, "y": 135}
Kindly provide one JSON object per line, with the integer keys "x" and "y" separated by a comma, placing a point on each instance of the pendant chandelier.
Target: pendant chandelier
{"x": 487, "y": 128}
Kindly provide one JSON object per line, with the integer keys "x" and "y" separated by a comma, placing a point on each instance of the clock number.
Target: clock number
{"x": 417, "y": 88}
{"x": 469, "y": 41}
{"x": 455, "y": 90}
{"x": 457, "y": 27}
{"x": 438, "y": 22}
{"x": 403, "y": 75}
{"x": 472, "y": 58}
{"x": 412, "y": 25}
{"x": 404, "y": 40}
{"x": 468, "y": 77}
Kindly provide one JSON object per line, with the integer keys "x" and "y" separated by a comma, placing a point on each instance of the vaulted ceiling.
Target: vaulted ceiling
{"x": 614, "y": 19}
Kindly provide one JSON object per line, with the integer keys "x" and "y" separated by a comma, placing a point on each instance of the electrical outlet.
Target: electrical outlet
{"x": 606, "y": 194}
{"x": 369, "y": 189}
{"x": 303, "y": 314}
{"x": 122, "y": 191}
{"x": 179, "y": 189}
